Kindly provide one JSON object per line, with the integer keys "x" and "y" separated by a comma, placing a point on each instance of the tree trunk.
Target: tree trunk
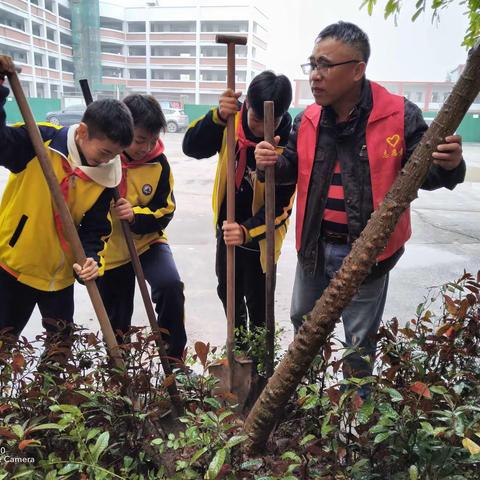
{"x": 321, "y": 321}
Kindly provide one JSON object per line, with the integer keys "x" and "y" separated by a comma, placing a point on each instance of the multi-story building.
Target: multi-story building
{"x": 429, "y": 96}
{"x": 37, "y": 35}
{"x": 166, "y": 49}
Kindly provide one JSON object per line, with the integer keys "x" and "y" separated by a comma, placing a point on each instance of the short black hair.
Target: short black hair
{"x": 268, "y": 86}
{"x": 350, "y": 34}
{"x": 146, "y": 112}
{"x": 109, "y": 118}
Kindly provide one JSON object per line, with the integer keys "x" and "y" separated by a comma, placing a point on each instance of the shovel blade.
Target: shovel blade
{"x": 242, "y": 379}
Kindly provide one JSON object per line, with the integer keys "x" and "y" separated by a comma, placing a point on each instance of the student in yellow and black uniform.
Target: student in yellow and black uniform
{"x": 207, "y": 136}
{"x": 36, "y": 263}
{"x": 147, "y": 203}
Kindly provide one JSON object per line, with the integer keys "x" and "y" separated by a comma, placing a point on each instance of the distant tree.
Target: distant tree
{"x": 472, "y": 10}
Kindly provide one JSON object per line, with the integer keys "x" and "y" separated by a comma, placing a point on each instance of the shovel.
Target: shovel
{"x": 234, "y": 374}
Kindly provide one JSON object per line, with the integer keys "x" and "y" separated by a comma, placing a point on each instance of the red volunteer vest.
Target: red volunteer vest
{"x": 385, "y": 147}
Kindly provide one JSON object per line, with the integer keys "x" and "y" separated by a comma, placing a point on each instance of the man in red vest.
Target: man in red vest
{"x": 343, "y": 154}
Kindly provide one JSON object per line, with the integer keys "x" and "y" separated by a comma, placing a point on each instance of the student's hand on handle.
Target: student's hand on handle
{"x": 123, "y": 210}
{"x": 6, "y": 65}
{"x": 233, "y": 234}
{"x": 228, "y": 104}
{"x": 88, "y": 272}
{"x": 449, "y": 155}
{"x": 265, "y": 154}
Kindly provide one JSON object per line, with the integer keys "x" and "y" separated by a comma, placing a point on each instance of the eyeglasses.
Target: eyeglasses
{"x": 323, "y": 67}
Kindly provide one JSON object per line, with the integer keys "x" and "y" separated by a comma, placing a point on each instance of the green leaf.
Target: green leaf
{"x": 70, "y": 467}
{"x": 93, "y": 433}
{"x": 253, "y": 464}
{"x": 366, "y": 411}
{"x": 198, "y": 454}
{"x": 18, "y": 430}
{"x": 413, "y": 472}
{"x": 235, "y": 440}
{"x": 213, "y": 403}
{"x": 66, "y": 409}
{"x": 100, "y": 445}
{"x": 427, "y": 427}
{"x": 216, "y": 464}
{"x": 307, "y": 439}
{"x": 387, "y": 411}
{"x": 291, "y": 456}
{"x": 157, "y": 441}
{"x": 395, "y": 395}
{"x": 381, "y": 437}
{"x": 311, "y": 402}
{"x": 438, "y": 389}
{"x": 47, "y": 426}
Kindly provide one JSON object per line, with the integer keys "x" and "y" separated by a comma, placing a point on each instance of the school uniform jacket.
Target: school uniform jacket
{"x": 207, "y": 136}
{"x": 148, "y": 186}
{"x": 32, "y": 247}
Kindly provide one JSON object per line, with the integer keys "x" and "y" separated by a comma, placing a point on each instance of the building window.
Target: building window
{"x": 65, "y": 39}
{"x": 51, "y": 34}
{"x": 138, "y": 73}
{"x": 16, "y": 53}
{"x": 172, "y": 27}
{"x": 419, "y": 96}
{"x": 111, "y": 48}
{"x": 112, "y": 72}
{"x": 173, "y": 51}
{"x": 11, "y": 20}
{"x": 137, "y": 50}
{"x": 224, "y": 26}
{"x": 67, "y": 66}
{"x": 52, "y": 63}
{"x": 136, "y": 27}
{"x": 54, "y": 91}
{"x": 435, "y": 97}
{"x": 213, "y": 75}
{"x": 64, "y": 12}
{"x": 214, "y": 51}
{"x": 111, "y": 23}
{"x": 49, "y": 5}
{"x": 38, "y": 59}
{"x": 164, "y": 74}
{"x": 34, "y": 2}
{"x": 40, "y": 90}
{"x": 36, "y": 29}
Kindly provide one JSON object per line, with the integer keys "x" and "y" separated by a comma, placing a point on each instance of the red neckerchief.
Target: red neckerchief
{"x": 65, "y": 184}
{"x": 128, "y": 163}
{"x": 242, "y": 145}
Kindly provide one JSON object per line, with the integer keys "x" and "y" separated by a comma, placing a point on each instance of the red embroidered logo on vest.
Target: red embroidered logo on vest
{"x": 391, "y": 147}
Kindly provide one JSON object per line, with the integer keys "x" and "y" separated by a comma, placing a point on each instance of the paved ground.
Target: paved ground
{"x": 446, "y": 241}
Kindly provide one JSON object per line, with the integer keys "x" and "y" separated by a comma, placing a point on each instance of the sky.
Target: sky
{"x": 418, "y": 51}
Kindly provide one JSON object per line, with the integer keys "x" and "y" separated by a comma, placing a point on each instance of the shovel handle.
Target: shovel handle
{"x": 269, "y": 132}
{"x": 68, "y": 226}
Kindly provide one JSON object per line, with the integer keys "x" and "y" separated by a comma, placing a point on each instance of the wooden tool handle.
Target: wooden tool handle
{"x": 269, "y": 132}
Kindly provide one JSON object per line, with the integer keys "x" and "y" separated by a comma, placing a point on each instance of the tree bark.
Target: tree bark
{"x": 321, "y": 321}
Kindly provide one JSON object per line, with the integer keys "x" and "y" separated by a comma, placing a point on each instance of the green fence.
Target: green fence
{"x": 469, "y": 128}
{"x": 40, "y": 107}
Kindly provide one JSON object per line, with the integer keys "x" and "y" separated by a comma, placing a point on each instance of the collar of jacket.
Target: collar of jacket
{"x": 107, "y": 174}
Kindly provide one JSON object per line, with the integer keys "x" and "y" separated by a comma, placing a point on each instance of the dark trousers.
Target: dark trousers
{"x": 18, "y": 300}
{"x": 117, "y": 287}
{"x": 249, "y": 284}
